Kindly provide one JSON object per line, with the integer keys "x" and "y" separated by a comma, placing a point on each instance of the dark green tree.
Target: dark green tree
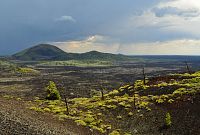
{"x": 52, "y": 91}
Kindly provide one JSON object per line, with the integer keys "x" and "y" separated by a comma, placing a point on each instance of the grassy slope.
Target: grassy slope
{"x": 7, "y": 66}
{"x": 138, "y": 108}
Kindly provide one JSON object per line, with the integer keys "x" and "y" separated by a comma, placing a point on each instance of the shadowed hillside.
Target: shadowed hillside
{"x": 50, "y": 52}
{"x": 41, "y": 52}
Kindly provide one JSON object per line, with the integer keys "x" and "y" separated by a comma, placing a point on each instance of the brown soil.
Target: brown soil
{"x": 17, "y": 119}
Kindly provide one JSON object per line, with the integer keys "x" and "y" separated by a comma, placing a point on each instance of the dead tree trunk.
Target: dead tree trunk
{"x": 102, "y": 94}
{"x": 101, "y": 83}
{"x": 134, "y": 101}
{"x": 66, "y": 104}
{"x": 144, "y": 76}
{"x": 187, "y": 67}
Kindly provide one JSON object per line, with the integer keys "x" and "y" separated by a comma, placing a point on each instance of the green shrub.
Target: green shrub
{"x": 36, "y": 109}
{"x": 139, "y": 85}
{"x": 170, "y": 101}
{"x": 130, "y": 114}
{"x": 46, "y": 109}
{"x": 99, "y": 114}
{"x": 168, "y": 121}
{"x": 89, "y": 118}
{"x": 63, "y": 117}
{"x": 193, "y": 80}
{"x": 57, "y": 109}
{"x": 163, "y": 84}
{"x": 27, "y": 71}
{"x": 111, "y": 106}
{"x": 179, "y": 92}
{"x": 143, "y": 104}
{"x": 53, "y": 93}
{"x": 123, "y": 103}
{"x": 19, "y": 99}
{"x": 160, "y": 101}
{"x": 114, "y": 92}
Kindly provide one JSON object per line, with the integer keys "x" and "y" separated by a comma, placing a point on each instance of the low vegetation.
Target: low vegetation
{"x": 126, "y": 104}
{"x": 26, "y": 70}
{"x": 10, "y": 67}
{"x": 7, "y": 66}
{"x": 78, "y": 63}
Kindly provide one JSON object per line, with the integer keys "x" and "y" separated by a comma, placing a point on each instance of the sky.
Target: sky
{"x": 131, "y": 27}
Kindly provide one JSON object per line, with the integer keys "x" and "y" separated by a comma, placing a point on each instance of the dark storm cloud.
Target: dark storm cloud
{"x": 28, "y": 22}
{"x": 24, "y": 23}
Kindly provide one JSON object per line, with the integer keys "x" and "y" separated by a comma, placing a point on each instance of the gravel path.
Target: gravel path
{"x": 16, "y": 119}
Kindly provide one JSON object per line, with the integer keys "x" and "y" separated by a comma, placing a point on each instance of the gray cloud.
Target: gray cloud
{"x": 177, "y": 47}
{"x": 160, "y": 12}
{"x": 105, "y": 44}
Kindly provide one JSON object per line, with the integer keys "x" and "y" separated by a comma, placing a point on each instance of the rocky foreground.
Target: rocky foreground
{"x": 17, "y": 119}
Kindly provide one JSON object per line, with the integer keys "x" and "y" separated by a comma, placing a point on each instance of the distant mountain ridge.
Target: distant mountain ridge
{"x": 49, "y": 52}
{"x": 40, "y": 52}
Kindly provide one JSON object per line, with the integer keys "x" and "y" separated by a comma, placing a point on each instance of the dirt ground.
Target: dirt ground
{"x": 17, "y": 119}
{"x": 80, "y": 81}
